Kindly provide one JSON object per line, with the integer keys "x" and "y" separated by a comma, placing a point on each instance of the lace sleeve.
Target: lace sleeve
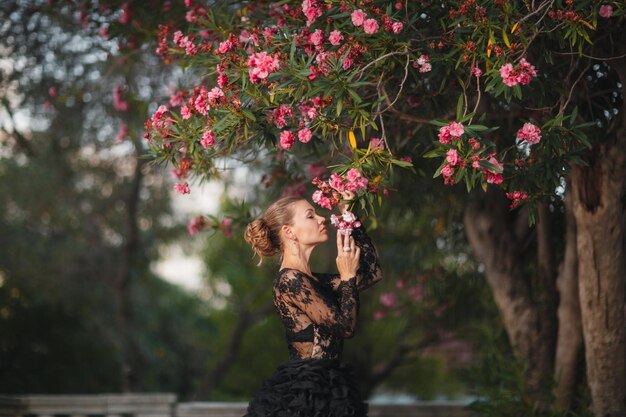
{"x": 295, "y": 289}
{"x": 369, "y": 271}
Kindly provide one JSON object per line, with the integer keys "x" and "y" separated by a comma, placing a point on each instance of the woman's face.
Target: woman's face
{"x": 308, "y": 227}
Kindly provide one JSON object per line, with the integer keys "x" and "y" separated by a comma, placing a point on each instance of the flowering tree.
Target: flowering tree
{"x": 519, "y": 95}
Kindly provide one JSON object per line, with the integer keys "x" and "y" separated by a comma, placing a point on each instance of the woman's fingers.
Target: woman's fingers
{"x": 339, "y": 242}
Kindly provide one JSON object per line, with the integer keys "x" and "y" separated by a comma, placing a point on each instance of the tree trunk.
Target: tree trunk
{"x": 498, "y": 238}
{"x": 129, "y": 374}
{"x": 570, "y": 335}
{"x": 598, "y": 204}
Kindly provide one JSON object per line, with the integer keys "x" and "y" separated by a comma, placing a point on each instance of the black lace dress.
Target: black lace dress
{"x": 318, "y": 312}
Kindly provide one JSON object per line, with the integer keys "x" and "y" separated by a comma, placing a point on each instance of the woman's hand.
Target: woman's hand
{"x": 346, "y": 197}
{"x": 347, "y": 256}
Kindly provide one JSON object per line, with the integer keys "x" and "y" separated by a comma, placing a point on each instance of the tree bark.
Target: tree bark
{"x": 498, "y": 238}
{"x": 130, "y": 370}
{"x": 569, "y": 338}
{"x": 598, "y": 192}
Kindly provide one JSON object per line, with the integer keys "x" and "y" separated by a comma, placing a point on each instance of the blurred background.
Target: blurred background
{"x": 104, "y": 289}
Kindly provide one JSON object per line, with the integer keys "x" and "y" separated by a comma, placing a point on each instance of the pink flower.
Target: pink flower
{"x": 261, "y": 65}
{"x": 530, "y": 133}
{"x": 225, "y": 47}
{"x": 444, "y": 135}
{"x": 476, "y": 72}
{"x": 427, "y": 67}
{"x": 317, "y": 37}
{"x": 397, "y": 27}
{"x": 417, "y": 292}
{"x": 320, "y": 199}
{"x": 196, "y": 224}
{"x": 227, "y": 227}
{"x": 506, "y": 72}
{"x": 606, "y": 11}
{"x": 125, "y": 15}
{"x": 281, "y": 116}
{"x": 379, "y": 315}
{"x": 53, "y": 91}
{"x": 122, "y": 133}
{"x": 182, "y": 188}
{"x": 453, "y": 157}
{"x": 305, "y": 135}
{"x": 208, "y": 139}
{"x": 389, "y": 299}
{"x": 398, "y": 5}
{"x": 516, "y": 197}
{"x": 456, "y": 130}
{"x": 311, "y": 11}
{"x": 335, "y": 38}
{"x": 377, "y": 144}
{"x": 523, "y": 74}
{"x": 347, "y": 63}
{"x": 447, "y": 171}
{"x": 316, "y": 170}
{"x": 370, "y": 26}
{"x": 353, "y": 175}
{"x": 358, "y": 17}
{"x": 336, "y": 181}
{"x": 119, "y": 103}
{"x": 287, "y": 139}
{"x": 185, "y": 112}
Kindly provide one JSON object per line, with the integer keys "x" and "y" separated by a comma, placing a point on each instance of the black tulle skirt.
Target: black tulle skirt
{"x": 309, "y": 388}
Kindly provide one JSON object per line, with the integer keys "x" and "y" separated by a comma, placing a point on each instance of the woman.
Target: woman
{"x": 317, "y": 310}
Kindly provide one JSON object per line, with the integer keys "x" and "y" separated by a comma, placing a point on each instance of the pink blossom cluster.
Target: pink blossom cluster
{"x": 208, "y": 139}
{"x": 280, "y": 116}
{"x": 262, "y": 65}
{"x": 119, "y": 102}
{"x": 346, "y": 222}
{"x": 353, "y": 181}
{"x": 390, "y": 301}
{"x": 288, "y": 138}
{"x": 476, "y": 72}
{"x": 185, "y": 42}
{"x": 359, "y": 18}
{"x": 517, "y": 198}
{"x": 449, "y": 170}
{"x": 311, "y": 10}
{"x": 422, "y": 63}
{"x": 523, "y": 74}
{"x": 453, "y": 130}
{"x": 530, "y": 133}
{"x": 182, "y": 188}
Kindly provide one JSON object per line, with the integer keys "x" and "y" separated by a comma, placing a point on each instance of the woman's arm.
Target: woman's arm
{"x": 295, "y": 289}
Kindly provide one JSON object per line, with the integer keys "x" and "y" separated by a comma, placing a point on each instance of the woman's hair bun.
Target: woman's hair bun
{"x": 259, "y": 236}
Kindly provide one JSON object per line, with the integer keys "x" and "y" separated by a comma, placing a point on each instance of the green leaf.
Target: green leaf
{"x": 459, "y": 107}
{"x": 248, "y": 114}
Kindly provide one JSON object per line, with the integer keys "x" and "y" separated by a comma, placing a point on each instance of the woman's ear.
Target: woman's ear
{"x": 287, "y": 232}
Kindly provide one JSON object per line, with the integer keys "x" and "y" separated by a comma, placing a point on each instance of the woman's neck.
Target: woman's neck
{"x": 297, "y": 259}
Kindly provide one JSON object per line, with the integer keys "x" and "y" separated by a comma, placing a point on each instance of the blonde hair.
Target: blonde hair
{"x": 263, "y": 233}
